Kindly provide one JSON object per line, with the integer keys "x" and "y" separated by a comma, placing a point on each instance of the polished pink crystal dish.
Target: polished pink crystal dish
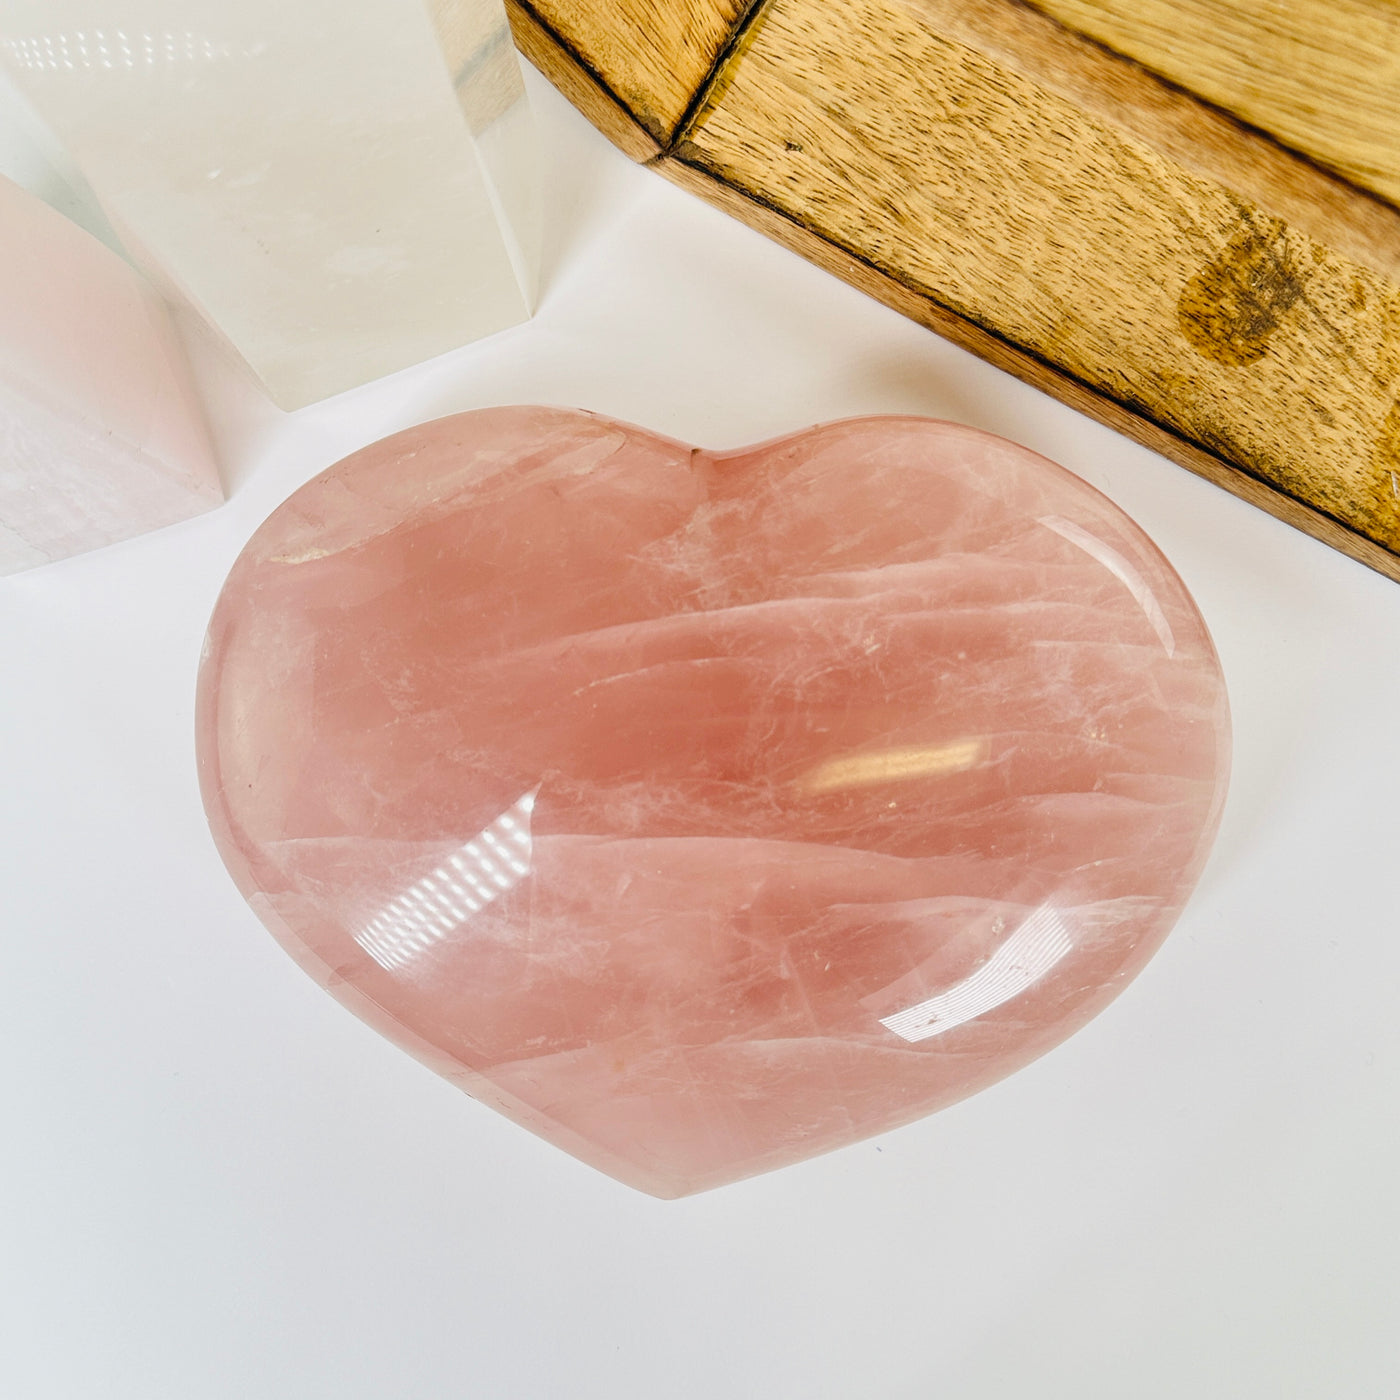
{"x": 705, "y": 811}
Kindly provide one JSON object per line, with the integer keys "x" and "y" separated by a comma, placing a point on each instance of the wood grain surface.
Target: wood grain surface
{"x": 653, "y": 55}
{"x": 1065, "y": 214}
{"x": 1321, "y": 75}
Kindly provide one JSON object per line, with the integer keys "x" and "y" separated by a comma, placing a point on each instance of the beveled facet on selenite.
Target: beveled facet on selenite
{"x": 706, "y": 811}
{"x": 339, "y": 192}
{"x": 101, "y": 434}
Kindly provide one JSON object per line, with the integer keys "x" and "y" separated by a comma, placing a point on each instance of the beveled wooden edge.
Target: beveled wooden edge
{"x": 591, "y": 95}
{"x": 578, "y": 82}
{"x": 986, "y": 345}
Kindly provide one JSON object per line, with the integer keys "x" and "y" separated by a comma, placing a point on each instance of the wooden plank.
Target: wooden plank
{"x": 1321, "y": 75}
{"x": 1079, "y": 222}
{"x": 651, "y": 56}
{"x": 1025, "y": 179}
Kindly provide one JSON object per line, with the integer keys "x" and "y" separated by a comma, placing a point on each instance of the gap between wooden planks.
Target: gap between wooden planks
{"x": 1044, "y": 203}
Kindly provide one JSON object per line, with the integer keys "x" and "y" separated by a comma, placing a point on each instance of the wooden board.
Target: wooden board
{"x": 1062, "y": 212}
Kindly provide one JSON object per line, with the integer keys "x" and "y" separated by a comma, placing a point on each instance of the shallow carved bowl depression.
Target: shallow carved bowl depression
{"x": 704, "y": 811}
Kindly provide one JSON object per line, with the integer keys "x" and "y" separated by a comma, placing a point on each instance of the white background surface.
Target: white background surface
{"x": 216, "y": 1183}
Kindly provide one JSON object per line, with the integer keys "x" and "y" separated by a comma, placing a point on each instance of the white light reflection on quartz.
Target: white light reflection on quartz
{"x": 116, "y": 49}
{"x": 492, "y": 862}
{"x": 1122, "y": 570}
{"x": 1036, "y": 946}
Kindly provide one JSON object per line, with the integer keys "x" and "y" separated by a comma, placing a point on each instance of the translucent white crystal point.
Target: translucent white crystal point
{"x": 341, "y": 194}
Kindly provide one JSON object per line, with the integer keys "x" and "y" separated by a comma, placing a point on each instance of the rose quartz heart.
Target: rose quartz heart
{"x": 706, "y": 811}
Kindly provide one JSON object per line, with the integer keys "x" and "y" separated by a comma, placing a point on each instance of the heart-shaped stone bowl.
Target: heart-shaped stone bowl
{"x": 705, "y": 811}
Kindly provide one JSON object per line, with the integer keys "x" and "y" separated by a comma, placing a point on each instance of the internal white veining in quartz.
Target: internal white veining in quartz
{"x": 707, "y": 811}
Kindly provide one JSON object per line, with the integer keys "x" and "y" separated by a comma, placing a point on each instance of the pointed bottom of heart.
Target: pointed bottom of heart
{"x": 705, "y": 812}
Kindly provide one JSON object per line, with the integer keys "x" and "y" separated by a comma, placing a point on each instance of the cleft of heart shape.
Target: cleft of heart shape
{"x": 705, "y": 811}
